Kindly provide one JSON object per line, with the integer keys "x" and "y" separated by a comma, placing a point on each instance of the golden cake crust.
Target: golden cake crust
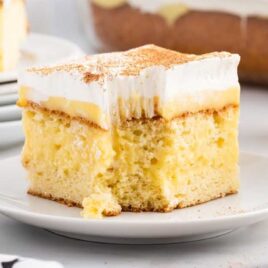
{"x": 63, "y": 201}
{"x": 35, "y": 106}
{"x": 38, "y": 107}
{"x": 70, "y": 203}
{"x": 67, "y": 202}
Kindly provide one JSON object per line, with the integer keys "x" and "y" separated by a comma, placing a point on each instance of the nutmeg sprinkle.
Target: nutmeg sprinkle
{"x": 128, "y": 63}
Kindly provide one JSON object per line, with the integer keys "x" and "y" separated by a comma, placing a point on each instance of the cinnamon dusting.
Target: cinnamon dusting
{"x": 128, "y": 63}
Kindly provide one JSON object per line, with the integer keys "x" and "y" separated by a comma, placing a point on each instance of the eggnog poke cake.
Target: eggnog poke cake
{"x": 148, "y": 129}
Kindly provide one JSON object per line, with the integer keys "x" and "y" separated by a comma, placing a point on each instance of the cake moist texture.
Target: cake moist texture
{"x": 132, "y": 131}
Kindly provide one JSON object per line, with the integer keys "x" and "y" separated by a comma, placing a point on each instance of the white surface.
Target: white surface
{"x": 216, "y": 72}
{"x": 39, "y": 49}
{"x": 245, "y": 248}
{"x": 10, "y": 133}
{"x": 229, "y": 213}
{"x": 20, "y": 262}
{"x": 8, "y": 99}
{"x": 9, "y": 113}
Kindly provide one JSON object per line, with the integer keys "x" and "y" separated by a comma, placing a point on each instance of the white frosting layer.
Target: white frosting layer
{"x": 237, "y": 7}
{"x": 182, "y": 80}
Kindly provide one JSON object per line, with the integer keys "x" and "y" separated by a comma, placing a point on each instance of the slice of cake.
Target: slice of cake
{"x": 148, "y": 129}
{"x": 13, "y": 30}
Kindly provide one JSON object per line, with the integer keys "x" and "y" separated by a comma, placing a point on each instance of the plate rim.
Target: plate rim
{"x": 71, "y": 44}
{"x": 12, "y": 75}
{"x": 10, "y": 107}
{"x": 12, "y": 123}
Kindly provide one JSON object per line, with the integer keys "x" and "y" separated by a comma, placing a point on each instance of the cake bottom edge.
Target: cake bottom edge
{"x": 182, "y": 205}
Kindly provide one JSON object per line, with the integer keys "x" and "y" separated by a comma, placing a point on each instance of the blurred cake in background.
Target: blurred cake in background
{"x": 189, "y": 26}
{"x": 13, "y": 30}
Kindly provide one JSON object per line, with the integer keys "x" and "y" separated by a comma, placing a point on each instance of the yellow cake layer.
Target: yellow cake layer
{"x": 131, "y": 108}
{"x": 13, "y": 30}
{"x": 141, "y": 165}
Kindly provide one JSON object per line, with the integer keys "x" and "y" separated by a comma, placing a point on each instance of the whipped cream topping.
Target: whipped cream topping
{"x": 238, "y": 7}
{"x": 188, "y": 75}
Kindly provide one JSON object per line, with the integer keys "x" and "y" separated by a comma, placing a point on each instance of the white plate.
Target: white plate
{"x": 10, "y": 133}
{"x": 9, "y": 113}
{"x": 8, "y": 99}
{"x": 8, "y": 89}
{"x": 39, "y": 49}
{"x": 198, "y": 222}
